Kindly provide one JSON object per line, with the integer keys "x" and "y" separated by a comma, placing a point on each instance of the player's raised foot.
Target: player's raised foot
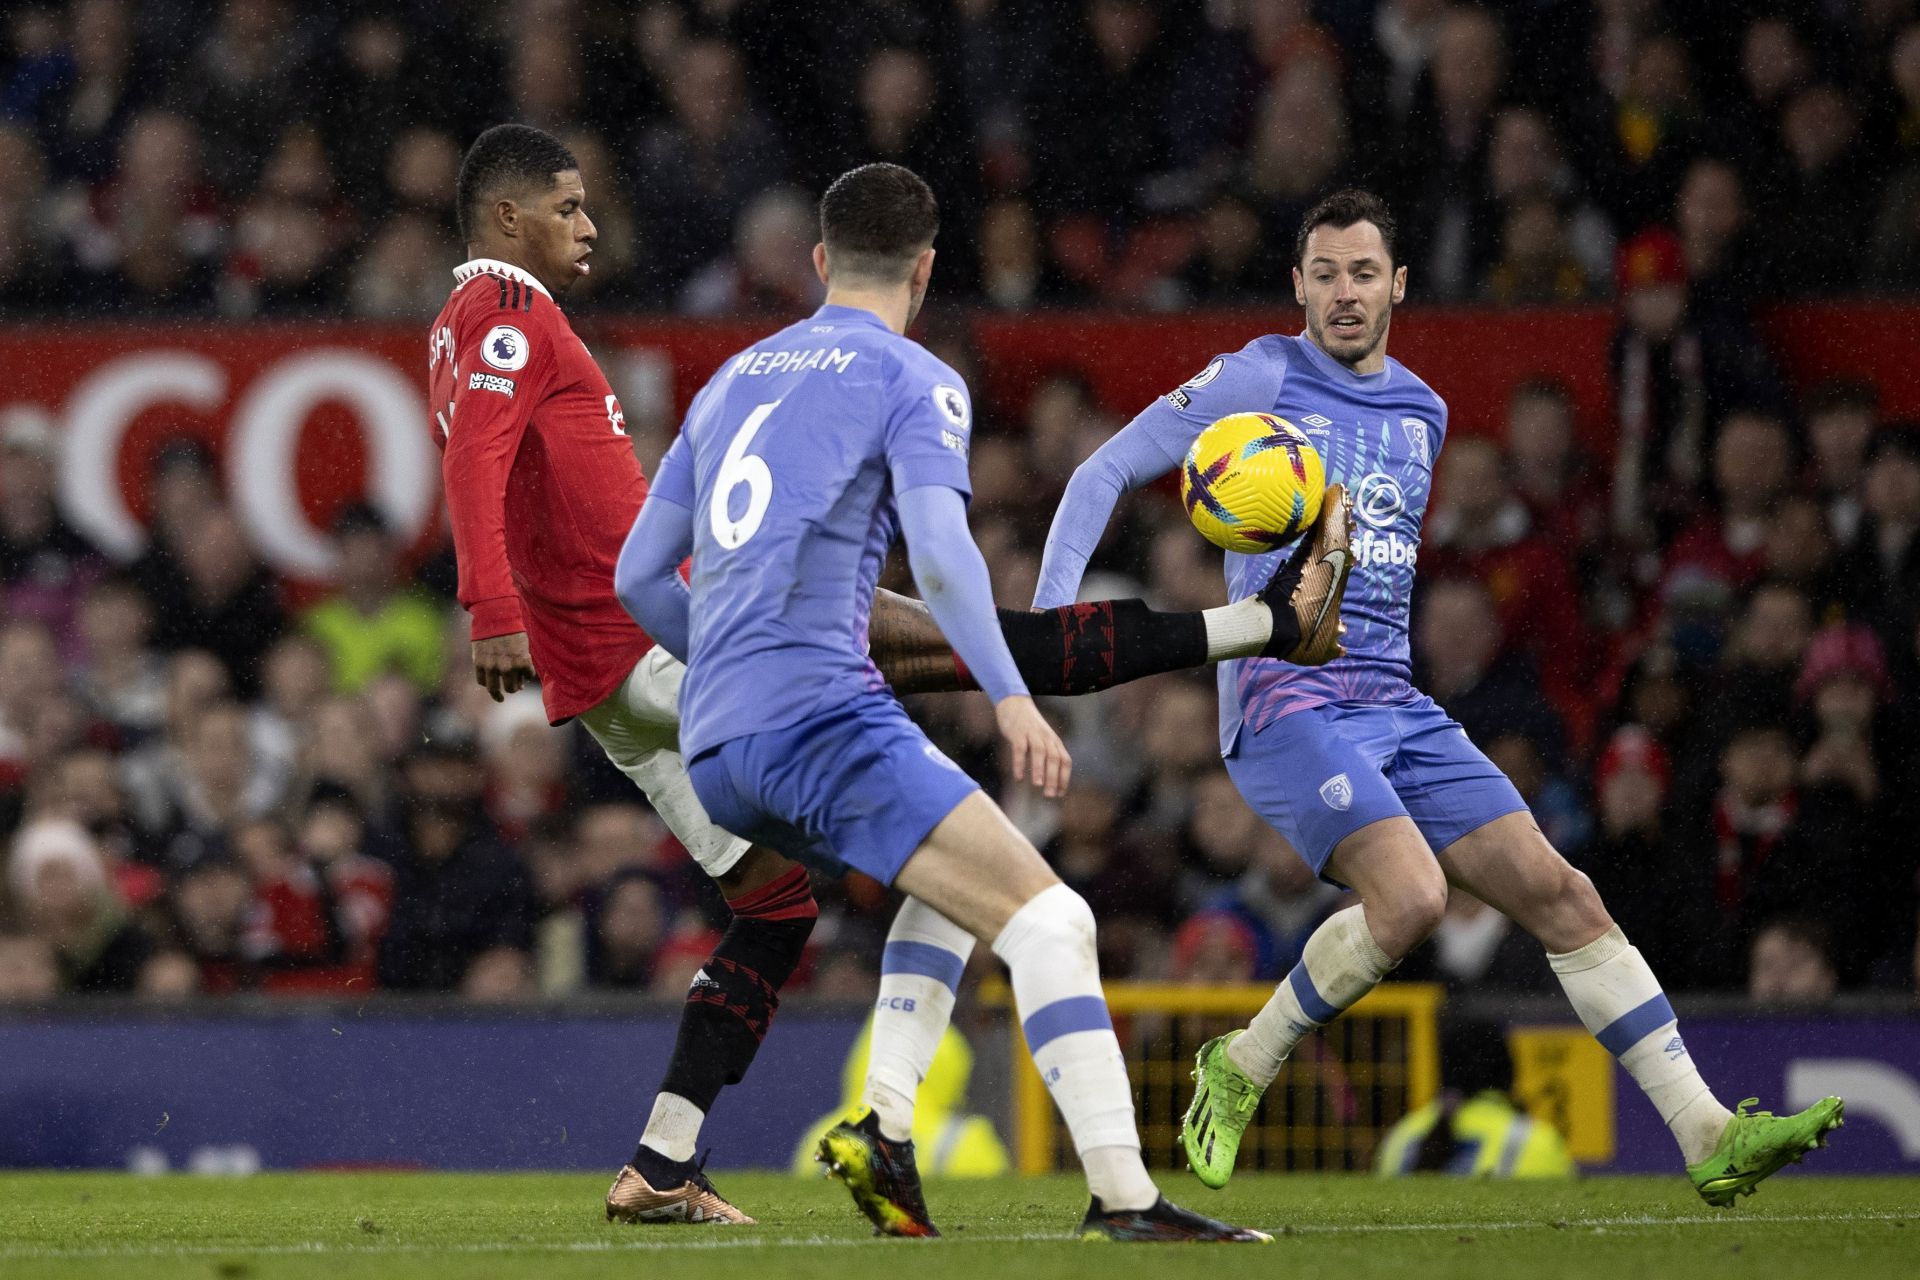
{"x": 656, "y": 1189}
{"x": 1224, "y": 1100}
{"x": 880, "y": 1173}
{"x": 1758, "y": 1143}
{"x": 1305, "y": 593}
{"x": 1165, "y": 1223}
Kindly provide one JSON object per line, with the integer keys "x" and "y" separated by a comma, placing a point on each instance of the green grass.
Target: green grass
{"x": 362, "y": 1226}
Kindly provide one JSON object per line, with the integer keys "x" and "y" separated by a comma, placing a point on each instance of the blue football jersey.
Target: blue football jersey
{"x": 790, "y": 459}
{"x": 1378, "y": 434}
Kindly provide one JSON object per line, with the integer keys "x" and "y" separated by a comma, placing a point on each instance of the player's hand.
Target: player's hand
{"x": 1038, "y": 752}
{"x": 502, "y": 664}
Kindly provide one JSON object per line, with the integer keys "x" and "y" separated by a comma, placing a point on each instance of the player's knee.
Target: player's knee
{"x": 1403, "y": 917}
{"x": 1056, "y": 917}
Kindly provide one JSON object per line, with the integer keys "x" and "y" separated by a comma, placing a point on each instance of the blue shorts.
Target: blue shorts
{"x": 858, "y": 788}
{"x": 1322, "y": 773}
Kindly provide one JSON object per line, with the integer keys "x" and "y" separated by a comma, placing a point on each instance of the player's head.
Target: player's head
{"x": 877, "y": 225}
{"x": 521, "y": 200}
{"x": 1345, "y": 275}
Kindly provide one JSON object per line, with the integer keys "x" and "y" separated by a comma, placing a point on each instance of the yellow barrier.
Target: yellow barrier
{"x": 1340, "y": 1091}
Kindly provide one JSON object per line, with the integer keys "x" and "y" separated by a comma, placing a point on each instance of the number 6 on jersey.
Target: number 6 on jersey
{"x": 738, "y": 468}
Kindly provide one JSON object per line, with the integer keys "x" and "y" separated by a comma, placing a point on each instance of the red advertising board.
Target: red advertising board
{"x": 306, "y": 417}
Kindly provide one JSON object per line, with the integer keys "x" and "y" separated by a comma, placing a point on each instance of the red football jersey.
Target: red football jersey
{"x": 542, "y": 485}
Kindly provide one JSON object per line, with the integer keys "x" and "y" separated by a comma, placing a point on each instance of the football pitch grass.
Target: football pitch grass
{"x": 359, "y": 1226}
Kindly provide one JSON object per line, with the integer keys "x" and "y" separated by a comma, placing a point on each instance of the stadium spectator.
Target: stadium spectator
{"x": 1551, "y": 474}
{"x": 770, "y": 269}
{"x": 1130, "y": 895}
{"x": 45, "y": 565}
{"x": 463, "y": 905}
{"x": 1475, "y": 948}
{"x": 1728, "y": 265}
{"x": 180, "y": 487}
{"x": 372, "y": 623}
{"x": 1300, "y": 152}
{"x": 147, "y": 238}
{"x": 1841, "y": 418}
{"x": 1884, "y": 570}
{"x": 1279, "y": 899}
{"x": 1213, "y": 948}
{"x": 243, "y": 87}
{"x": 229, "y": 604}
{"x": 58, "y": 880}
{"x": 1632, "y": 861}
{"x": 343, "y": 748}
{"x": 1791, "y": 962}
{"x": 288, "y": 234}
{"x": 29, "y": 249}
{"x": 1752, "y": 460}
{"x": 219, "y": 785}
{"x": 29, "y": 679}
{"x": 294, "y": 679}
{"x": 1443, "y": 182}
{"x": 693, "y": 172}
{"x": 1478, "y": 527}
{"x": 1829, "y": 191}
{"x": 1677, "y": 372}
{"x": 1487, "y": 688}
{"x": 29, "y": 969}
{"x": 105, "y": 80}
{"x": 626, "y": 923}
{"x": 1525, "y": 161}
{"x": 123, "y": 678}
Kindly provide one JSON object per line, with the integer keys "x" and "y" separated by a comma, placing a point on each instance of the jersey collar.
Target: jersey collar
{"x": 483, "y": 266}
{"x": 1333, "y": 368}
{"x": 849, "y": 315}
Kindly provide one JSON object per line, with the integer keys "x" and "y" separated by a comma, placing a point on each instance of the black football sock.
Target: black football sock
{"x": 733, "y": 998}
{"x": 1083, "y": 648}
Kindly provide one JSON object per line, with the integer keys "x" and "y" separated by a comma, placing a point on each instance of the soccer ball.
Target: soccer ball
{"x": 1252, "y": 482}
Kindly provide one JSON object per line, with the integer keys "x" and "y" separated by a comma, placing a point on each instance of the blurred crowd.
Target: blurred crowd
{"x": 261, "y": 157}
{"x": 1694, "y": 647}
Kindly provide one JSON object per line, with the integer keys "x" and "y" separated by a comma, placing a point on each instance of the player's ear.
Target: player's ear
{"x": 820, "y": 262}
{"x": 1300, "y": 288}
{"x": 1399, "y": 285}
{"x": 506, "y": 216}
{"x": 922, "y": 271}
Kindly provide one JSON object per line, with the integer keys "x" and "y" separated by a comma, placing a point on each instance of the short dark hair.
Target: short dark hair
{"x": 1342, "y": 209}
{"x": 1842, "y": 393}
{"x": 506, "y": 158}
{"x": 875, "y": 220}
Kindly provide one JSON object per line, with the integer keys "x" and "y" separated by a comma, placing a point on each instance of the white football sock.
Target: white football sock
{"x": 674, "y": 1127}
{"x": 1340, "y": 963}
{"x": 1621, "y": 1003}
{"x": 919, "y": 974}
{"x": 1049, "y": 950}
{"x": 1237, "y": 630}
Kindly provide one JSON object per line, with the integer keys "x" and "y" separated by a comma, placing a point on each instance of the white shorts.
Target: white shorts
{"x": 638, "y": 726}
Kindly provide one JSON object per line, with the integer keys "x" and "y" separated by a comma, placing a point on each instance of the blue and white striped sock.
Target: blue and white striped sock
{"x": 919, "y": 975}
{"x": 1340, "y": 963}
{"x": 1049, "y": 950}
{"x": 1621, "y": 1003}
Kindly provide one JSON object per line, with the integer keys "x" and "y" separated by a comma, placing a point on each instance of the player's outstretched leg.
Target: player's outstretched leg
{"x": 1084, "y": 648}
{"x": 978, "y": 871}
{"x": 1402, "y": 894}
{"x": 871, "y": 1150}
{"x": 1510, "y": 865}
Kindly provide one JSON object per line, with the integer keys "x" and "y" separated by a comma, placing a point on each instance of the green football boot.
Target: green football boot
{"x": 1758, "y": 1143}
{"x": 1224, "y": 1100}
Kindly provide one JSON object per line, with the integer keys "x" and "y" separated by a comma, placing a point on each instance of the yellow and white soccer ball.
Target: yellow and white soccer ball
{"x": 1252, "y": 482}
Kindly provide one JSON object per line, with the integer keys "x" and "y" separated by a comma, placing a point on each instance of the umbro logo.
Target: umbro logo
{"x": 1315, "y": 420}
